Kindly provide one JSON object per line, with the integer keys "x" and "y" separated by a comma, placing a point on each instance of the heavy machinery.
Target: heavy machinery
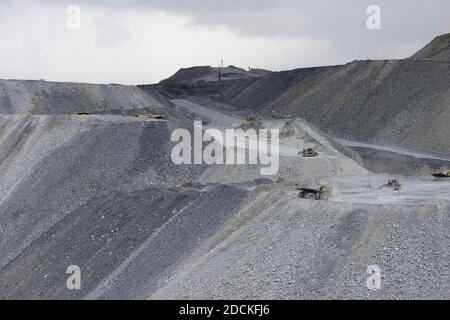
{"x": 309, "y": 153}
{"x": 251, "y": 119}
{"x": 322, "y": 193}
{"x": 150, "y": 116}
{"x": 442, "y": 174}
{"x": 394, "y": 184}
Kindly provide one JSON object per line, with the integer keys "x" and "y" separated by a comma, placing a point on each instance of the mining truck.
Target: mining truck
{"x": 322, "y": 193}
{"x": 150, "y": 116}
{"x": 442, "y": 174}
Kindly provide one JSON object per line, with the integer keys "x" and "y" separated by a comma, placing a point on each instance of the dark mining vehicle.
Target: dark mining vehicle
{"x": 309, "y": 153}
{"x": 251, "y": 119}
{"x": 150, "y": 116}
{"x": 394, "y": 184}
{"x": 442, "y": 174}
{"x": 322, "y": 193}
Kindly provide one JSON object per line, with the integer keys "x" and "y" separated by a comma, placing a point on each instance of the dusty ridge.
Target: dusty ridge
{"x": 208, "y": 73}
{"x": 318, "y": 250}
{"x": 43, "y": 97}
{"x": 438, "y": 49}
{"x": 396, "y": 102}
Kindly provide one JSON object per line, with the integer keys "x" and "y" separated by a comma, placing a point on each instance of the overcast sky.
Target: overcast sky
{"x": 135, "y": 42}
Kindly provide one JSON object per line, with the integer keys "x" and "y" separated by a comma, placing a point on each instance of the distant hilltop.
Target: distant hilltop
{"x": 403, "y": 102}
{"x": 437, "y": 50}
{"x": 208, "y": 73}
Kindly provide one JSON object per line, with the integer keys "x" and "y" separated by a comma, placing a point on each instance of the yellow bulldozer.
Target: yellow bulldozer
{"x": 309, "y": 153}
{"x": 251, "y": 119}
{"x": 394, "y": 184}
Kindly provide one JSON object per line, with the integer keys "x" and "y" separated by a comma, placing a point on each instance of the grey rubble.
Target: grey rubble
{"x": 101, "y": 191}
{"x": 397, "y": 102}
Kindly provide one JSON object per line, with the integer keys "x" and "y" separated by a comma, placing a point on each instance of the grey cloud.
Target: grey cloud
{"x": 297, "y": 29}
{"x": 340, "y": 22}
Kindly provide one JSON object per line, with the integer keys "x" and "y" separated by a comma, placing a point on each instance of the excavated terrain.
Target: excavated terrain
{"x": 100, "y": 190}
{"x": 397, "y": 102}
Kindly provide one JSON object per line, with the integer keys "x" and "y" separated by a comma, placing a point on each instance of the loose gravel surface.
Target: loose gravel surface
{"x": 394, "y": 102}
{"x": 100, "y": 191}
{"x": 282, "y": 247}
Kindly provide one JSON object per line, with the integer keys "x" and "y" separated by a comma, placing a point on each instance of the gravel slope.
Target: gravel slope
{"x": 438, "y": 49}
{"x": 208, "y": 73}
{"x": 397, "y": 102}
{"x": 319, "y": 250}
{"x": 401, "y": 103}
{"x": 42, "y": 97}
{"x": 101, "y": 191}
{"x": 125, "y": 244}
